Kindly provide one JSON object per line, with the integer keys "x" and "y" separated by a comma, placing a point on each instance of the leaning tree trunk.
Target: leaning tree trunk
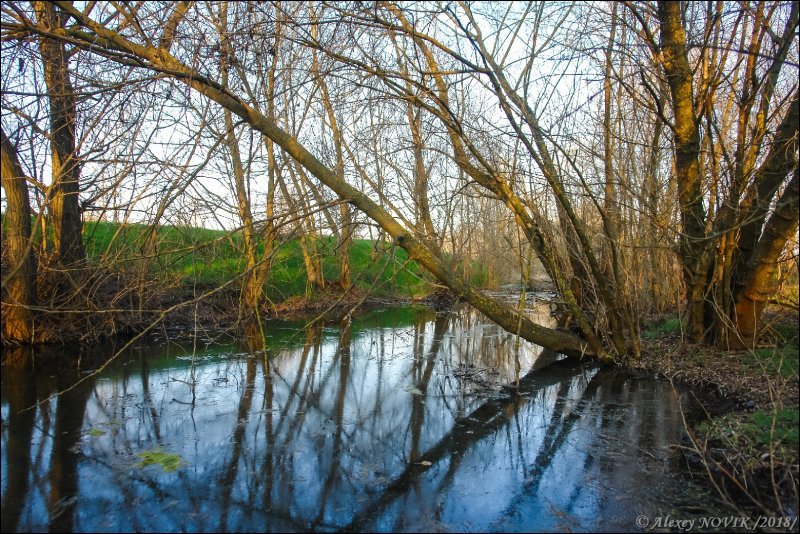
{"x": 759, "y": 285}
{"x": 19, "y": 274}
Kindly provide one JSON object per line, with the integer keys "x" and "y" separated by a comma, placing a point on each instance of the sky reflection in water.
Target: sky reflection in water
{"x": 396, "y": 422}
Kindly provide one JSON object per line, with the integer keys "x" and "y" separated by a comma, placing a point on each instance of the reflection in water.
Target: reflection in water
{"x": 19, "y": 392}
{"x": 369, "y": 425}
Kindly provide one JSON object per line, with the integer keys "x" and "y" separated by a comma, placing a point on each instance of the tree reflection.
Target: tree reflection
{"x": 364, "y": 427}
{"x": 230, "y": 470}
{"x": 343, "y": 357}
{"x": 19, "y": 388}
{"x": 64, "y": 456}
{"x": 418, "y": 399}
{"x": 485, "y": 421}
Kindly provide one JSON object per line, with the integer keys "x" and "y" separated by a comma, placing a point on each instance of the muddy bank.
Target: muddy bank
{"x": 748, "y": 444}
{"x": 183, "y": 311}
{"x": 725, "y": 376}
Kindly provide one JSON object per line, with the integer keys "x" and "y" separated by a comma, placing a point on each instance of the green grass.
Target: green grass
{"x": 777, "y": 361}
{"x": 667, "y": 327}
{"x": 198, "y": 255}
{"x": 752, "y": 430}
{"x": 786, "y": 426}
{"x": 205, "y": 257}
{"x": 752, "y": 433}
{"x": 784, "y": 358}
{"x": 376, "y": 266}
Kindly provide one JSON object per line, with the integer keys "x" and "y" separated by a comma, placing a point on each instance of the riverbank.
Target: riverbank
{"x": 749, "y": 443}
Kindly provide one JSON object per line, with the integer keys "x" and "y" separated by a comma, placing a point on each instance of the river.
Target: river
{"x": 399, "y": 420}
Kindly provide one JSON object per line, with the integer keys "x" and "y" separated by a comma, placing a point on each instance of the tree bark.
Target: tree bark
{"x": 65, "y": 188}
{"x": 759, "y": 284}
{"x": 780, "y": 161}
{"x": 693, "y": 254}
{"x": 20, "y": 276}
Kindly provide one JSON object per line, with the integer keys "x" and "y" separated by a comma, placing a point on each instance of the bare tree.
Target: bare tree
{"x": 727, "y": 282}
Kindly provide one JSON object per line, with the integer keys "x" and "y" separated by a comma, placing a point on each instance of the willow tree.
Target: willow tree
{"x": 19, "y": 274}
{"x": 730, "y": 244}
{"x": 64, "y": 191}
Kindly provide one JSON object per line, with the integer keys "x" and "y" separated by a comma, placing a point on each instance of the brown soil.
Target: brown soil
{"x": 732, "y": 377}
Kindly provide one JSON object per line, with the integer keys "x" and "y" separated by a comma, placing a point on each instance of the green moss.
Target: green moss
{"x": 168, "y": 462}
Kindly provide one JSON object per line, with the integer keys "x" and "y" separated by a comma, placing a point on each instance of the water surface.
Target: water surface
{"x": 396, "y": 421}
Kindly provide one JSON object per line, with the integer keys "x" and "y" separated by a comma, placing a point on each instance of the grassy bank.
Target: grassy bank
{"x": 748, "y": 445}
{"x": 200, "y": 257}
{"x": 137, "y": 276}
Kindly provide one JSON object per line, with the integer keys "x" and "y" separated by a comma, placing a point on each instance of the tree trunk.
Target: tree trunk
{"x": 65, "y": 188}
{"x": 307, "y": 230}
{"x": 423, "y": 219}
{"x": 345, "y": 232}
{"x": 693, "y": 256}
{"x": 759, "y": 284}
{"x": 345, "y": 240}
{"x": 20, "y": 274}
{"x": 252, "y": 286}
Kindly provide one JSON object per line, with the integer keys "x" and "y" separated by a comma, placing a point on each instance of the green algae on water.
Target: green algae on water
{"x": 168, "y": 462}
